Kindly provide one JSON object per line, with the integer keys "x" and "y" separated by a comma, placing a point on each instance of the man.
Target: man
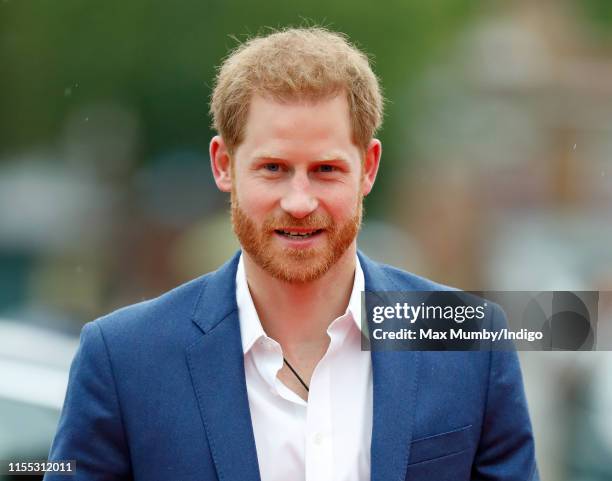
{"x": 256, "y": 371}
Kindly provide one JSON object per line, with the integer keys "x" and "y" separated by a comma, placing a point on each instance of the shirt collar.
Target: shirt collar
{"x": 250, "y": 326}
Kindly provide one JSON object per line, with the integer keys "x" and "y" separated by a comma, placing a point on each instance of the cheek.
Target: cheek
{"x": 254, "y": 200}
{"x": 341, "y": 199}
{"x": 342, "y": 205}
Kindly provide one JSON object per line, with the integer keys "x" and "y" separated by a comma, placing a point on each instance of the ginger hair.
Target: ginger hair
{"x": 296, "y": 64}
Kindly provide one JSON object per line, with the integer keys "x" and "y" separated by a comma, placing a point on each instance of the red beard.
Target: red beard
{"x": 289, "y": 264}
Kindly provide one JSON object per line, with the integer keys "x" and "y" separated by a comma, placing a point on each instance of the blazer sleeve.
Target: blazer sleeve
{"x": 506, "y": 448}
{"x": 90, "y": 429}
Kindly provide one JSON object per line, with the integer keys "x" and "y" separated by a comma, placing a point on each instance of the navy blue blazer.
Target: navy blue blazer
{"x": 157, "y": 391}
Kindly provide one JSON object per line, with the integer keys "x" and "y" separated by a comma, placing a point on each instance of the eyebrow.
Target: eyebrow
{"x": 331, "y": 157}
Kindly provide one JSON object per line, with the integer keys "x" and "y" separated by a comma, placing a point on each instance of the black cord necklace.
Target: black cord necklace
{"x": 296, "y": 374}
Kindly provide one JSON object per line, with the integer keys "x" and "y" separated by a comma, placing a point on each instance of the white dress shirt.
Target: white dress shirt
{"x": 327, "y": 438}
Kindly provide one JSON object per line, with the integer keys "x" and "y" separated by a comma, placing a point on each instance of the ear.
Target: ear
{"x": 370, "y": 165}
{"x": 220, "y": 164}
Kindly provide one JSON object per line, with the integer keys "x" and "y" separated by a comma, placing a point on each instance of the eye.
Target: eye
{"x": 272, "y": 167}
{"x": 326, "y": 168}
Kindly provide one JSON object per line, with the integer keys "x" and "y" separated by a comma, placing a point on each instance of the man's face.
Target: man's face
{"x": 297, "y": 187}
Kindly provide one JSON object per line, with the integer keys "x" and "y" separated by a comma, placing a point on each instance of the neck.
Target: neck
{"x": 297, "y": 315}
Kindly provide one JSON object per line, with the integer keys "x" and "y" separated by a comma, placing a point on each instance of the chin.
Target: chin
{"x": 293, "y": 275}
{"x": 297, "y": 266}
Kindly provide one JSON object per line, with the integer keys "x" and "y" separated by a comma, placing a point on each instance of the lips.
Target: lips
{"x": 298, "y": 234}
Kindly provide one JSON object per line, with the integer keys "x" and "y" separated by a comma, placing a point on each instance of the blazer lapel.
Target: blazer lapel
{"x": 216, "y": 364}
{"x": 394, "y": 376}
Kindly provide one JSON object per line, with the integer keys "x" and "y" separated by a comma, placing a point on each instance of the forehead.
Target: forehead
{"x": 309, "y": 129}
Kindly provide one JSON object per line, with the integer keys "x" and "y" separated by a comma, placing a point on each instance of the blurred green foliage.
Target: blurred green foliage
{"x": 157, "y": 58}
{"x": 599, "y": 13}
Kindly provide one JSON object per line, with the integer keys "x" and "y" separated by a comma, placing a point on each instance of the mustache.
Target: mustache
{"x": 312, "y": 221}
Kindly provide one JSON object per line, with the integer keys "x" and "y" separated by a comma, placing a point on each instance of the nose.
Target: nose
{"x": 299, "y": 200}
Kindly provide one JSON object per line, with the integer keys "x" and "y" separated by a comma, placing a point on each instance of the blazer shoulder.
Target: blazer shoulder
{"x": 163, "y": 314}
{"x": 407, "y": 281}
{"x": 402, "y": 280}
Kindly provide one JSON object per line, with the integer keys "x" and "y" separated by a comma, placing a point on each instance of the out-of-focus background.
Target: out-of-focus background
{"x": 496, "y": 174}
